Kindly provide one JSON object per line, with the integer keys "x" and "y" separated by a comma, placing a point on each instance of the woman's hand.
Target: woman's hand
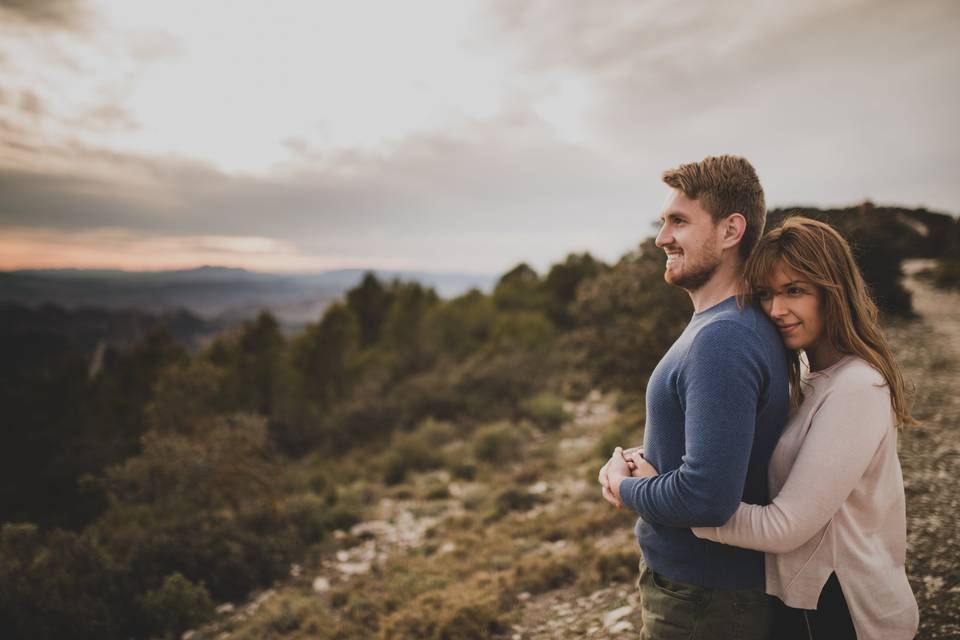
{"x": 639, "y": 467}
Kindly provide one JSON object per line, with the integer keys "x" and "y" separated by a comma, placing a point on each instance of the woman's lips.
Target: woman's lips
{"x": 786, "y": 329}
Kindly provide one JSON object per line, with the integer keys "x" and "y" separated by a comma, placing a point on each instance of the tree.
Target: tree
{"x": 325, "y": 354}
{"x": 628, "y": 317}
{"x": 562, "y": 282}
{"x": 369, "y": 301}
{"x": 250, "y": 359}
{"x": 519, "y": 289}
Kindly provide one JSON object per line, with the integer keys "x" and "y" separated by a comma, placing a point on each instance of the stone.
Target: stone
{"x": 613, "y": 617}
{"x": 321, "y": 584}
{"x": 622, "y": 626}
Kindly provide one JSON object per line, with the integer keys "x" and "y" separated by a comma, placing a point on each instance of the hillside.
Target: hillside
{"x": 529, "y": 550}
{"x": 144, "y": 485}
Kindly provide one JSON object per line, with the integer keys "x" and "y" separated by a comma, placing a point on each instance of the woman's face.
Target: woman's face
{"x": 796, "y": 307}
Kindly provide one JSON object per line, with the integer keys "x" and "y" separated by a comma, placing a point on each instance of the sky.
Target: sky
{"x": 447, "y": 135}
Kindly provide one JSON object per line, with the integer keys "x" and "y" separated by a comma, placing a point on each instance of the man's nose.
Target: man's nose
{"x": 663, "y": 237}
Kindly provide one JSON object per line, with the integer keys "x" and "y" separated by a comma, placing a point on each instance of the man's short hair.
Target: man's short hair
{"x": 724, "y": 185}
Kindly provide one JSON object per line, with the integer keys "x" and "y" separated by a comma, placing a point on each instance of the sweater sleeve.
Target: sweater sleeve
{"x": 719, "y": 384}
{"x": 843, "y": 438}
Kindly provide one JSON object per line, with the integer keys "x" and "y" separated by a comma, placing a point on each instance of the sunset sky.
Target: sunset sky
{"x": 451, "y": 135}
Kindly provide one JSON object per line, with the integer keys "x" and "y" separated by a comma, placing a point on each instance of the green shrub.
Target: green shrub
{"x": 538, "y": 575}
{"x": 463, "y": 470}
{"x": 610, "y": 567}
{"x": 58, "y": 585}
{"x": 513, "y": 499}
{"x": 410, "y": 452}
{"x": 177, "y": 605}
{"x": 451, "y": 614}
{"x": 497, "y": 443}
{"x": 545, "y": 410}
{"x": 310, "y": 516}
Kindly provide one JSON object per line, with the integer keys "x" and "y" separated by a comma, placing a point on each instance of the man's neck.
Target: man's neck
{"x": 726, "y": 282}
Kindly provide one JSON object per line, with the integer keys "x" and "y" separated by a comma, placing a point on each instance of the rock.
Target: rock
{"x": 613, "y": 617}
{"x": 187, "y": 635}
{"x": 523, "y": 596}
{"x": 225, "y": 608}
{"x": 539, "y": 488}
{"x": 342, "y": 556}
{"x": 354, "y": 568}
{"x": 447, "y": 547}
{"x": 295, "y": 570}
{"x": 321, "y": 584}
{"x": 620, "y": 627}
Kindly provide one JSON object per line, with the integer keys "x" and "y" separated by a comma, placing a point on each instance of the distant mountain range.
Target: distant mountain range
{"x": 221, "y": 294}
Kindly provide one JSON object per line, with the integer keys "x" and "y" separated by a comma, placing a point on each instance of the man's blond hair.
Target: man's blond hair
{"x": 724, "y": 185}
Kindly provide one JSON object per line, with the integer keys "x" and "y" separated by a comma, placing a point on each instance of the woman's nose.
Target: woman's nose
{"x": 776, "y": 307}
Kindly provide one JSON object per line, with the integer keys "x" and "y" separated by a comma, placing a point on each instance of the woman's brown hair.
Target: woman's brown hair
{"x": 822, "y": 256}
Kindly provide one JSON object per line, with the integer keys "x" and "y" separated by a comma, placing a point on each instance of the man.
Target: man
{"x": 716, "y": 404}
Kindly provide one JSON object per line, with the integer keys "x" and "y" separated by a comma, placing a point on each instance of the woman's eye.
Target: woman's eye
{"x": 762, "y": 295}
{"x": 794, "y": 291}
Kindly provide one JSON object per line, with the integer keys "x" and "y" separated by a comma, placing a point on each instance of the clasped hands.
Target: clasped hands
{"x": 624, "y": 463}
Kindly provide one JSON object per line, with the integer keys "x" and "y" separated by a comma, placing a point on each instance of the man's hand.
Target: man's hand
{"x": 611, "y": 475}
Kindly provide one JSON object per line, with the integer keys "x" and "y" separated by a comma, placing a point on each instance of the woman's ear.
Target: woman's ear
{"x": 733, "y": 228}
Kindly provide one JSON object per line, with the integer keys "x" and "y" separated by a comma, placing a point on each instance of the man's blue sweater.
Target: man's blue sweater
{"x": 716, "y": 404}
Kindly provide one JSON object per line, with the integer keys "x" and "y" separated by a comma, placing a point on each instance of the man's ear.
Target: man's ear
{"x": 732, "y": 229}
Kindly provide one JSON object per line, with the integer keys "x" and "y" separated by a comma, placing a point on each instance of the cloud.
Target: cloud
{"x": 584, "y": 107}
{"x": 834, "y": 101}
{"x": 498, "y": 191}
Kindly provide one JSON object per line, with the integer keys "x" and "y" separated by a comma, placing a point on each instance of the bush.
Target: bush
{"x": 178, "y": 605}
{"x": 545, "y": 410}
{"x": 513, "y": 499}
{"x": 451, "y": 614}
{"x": 59, "y": 585}
{"x": 538, "y": 575}
{"x": 310, "y": 516}
{"x": 610, "y": 567}
{"x": 410, "y": 452}
{"x": 497, "y": 443}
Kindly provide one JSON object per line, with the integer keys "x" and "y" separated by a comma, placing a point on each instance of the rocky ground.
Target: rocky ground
{"x": 405, "y": 525}
{"x": 929, "y": 349}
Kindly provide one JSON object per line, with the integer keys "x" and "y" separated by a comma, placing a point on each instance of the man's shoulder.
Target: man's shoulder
{"x": 737, "y": 332}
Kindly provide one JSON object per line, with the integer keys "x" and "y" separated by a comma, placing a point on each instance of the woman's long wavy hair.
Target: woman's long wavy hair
{"x": 822, "y": 256}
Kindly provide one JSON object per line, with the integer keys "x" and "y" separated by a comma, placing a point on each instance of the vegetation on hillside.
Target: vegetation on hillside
{"x": 142, "y": 486}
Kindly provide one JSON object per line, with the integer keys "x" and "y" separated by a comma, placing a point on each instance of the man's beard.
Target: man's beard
{"x": 700, "y": 273}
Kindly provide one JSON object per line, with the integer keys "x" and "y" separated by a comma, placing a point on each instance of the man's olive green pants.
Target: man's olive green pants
{"x": 675, "y": 610}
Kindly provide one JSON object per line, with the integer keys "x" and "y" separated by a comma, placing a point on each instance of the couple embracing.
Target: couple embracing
{"x": 768, "y": 488}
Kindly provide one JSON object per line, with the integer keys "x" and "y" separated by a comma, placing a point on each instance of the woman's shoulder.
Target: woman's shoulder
{"x": 854, "y": 372}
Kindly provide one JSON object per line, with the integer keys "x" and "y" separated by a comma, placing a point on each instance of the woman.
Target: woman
{"x": 835, "y": 534}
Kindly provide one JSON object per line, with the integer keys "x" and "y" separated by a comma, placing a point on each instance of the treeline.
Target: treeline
{"x": 140, "y": 491}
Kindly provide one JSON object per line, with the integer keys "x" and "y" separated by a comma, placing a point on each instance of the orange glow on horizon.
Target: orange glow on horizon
{"x": 119, "y": 249}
